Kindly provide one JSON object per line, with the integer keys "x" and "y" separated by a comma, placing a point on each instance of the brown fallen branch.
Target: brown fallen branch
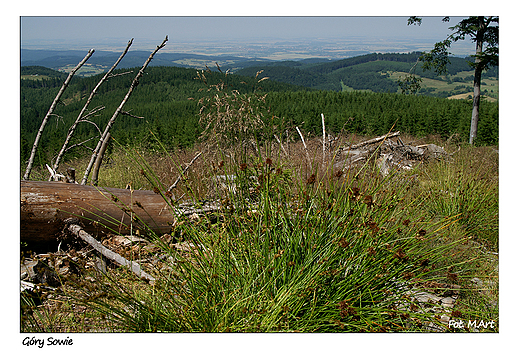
{"x": 134, "y": 267}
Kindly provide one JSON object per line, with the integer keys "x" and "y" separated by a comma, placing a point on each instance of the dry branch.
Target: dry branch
{"x": 135, "y": 82}
{"x": 304, "y": 146}
{"x": 375, "y": 140}
{"x": 51, "y": 111}
{"x": 323, "y": 130}
{"x": 82, "y": 115}
{"x": 134, "y": 267}
{"x": 174, "y": 185}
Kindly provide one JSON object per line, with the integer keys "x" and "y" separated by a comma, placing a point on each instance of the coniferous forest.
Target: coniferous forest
{"x": 168, "y": 100}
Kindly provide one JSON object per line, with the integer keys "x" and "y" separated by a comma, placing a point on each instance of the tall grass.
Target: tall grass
{"x": 324, "y": 253}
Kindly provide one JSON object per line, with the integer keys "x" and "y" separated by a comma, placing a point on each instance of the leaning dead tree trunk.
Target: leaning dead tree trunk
{"x": 50, "y": 112}
{"x": 82, "y": 115}
{"x": 99, "y": 159}
{"x": 135, "y": 82}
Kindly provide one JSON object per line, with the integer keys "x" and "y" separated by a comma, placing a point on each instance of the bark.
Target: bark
{"x": 476, "y": 82}
{"x": 51, "y": 111}
{"x": 374, "y": 140}
{"x": 82, "y": 115}
{"x": 112, "y": 120}
{"x": 99, "y": 159}
{"x": 45, "y": 205}
{"x": 134, "y": 267}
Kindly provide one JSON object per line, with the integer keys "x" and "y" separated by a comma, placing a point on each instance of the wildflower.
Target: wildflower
{"x": 268, "y": 161}
{"x": 400, "y": 254}
{"x": 346, "y": 310}
{"x": 456, "y": 314}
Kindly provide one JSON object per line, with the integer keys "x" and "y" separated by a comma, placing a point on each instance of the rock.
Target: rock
{"x": 477, "y": 281}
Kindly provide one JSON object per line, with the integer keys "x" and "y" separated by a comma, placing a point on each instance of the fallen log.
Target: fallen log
{"x": 45, "y": 205}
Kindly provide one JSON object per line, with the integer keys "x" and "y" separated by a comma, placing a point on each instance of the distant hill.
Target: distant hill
{"x": 374, "y": 72}
{"x": 103, "y": 60}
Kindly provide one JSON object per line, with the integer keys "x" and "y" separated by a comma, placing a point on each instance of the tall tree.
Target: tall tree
{"x": 484, "y": 32}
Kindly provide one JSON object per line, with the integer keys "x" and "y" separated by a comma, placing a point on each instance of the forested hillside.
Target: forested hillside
{"x": 367, "y": 72}
{"x": 167, "y": 99}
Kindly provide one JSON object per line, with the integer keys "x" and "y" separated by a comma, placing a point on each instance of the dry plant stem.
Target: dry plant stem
{"x": 135, "y": 82}
{"x": 134, "y": 267}
{"x": 50, "y": 112}
{"x": 304, "y": 146}
{"x": 279, "y": 142}
{"x": 81, "y": 115}
{"x": 183, "y": 171}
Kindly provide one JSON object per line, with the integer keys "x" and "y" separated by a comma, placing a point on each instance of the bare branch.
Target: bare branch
{"x": 99, "y": 159}
{"x": 304, "y": 146}
{"x": 79, "y": 144}
{"x": 84, "y": 109}
{"x": 129, "y": 114}
{"x": 174, "y": 185}
{"x": 120, "y": 74}
{"x": 51, "y": 110}
{"x": 135, "y": 82}
{"x": 134, "y": 267}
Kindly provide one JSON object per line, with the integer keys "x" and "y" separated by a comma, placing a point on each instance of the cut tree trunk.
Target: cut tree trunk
{"x": 44, "y": 206}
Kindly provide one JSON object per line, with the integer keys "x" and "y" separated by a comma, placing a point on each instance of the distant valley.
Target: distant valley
{"x": 369, "y": 72}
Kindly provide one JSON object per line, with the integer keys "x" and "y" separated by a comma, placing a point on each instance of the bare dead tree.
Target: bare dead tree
{"x": 82, "y": 115}
{"x": 99, "y": 159}
{"x": 135, "y": 82}
{"x": 51, "y": 111}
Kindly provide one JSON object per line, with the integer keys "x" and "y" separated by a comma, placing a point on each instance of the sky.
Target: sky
{"x": 204, "y": 28}
{"x": 233, "y": 27}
